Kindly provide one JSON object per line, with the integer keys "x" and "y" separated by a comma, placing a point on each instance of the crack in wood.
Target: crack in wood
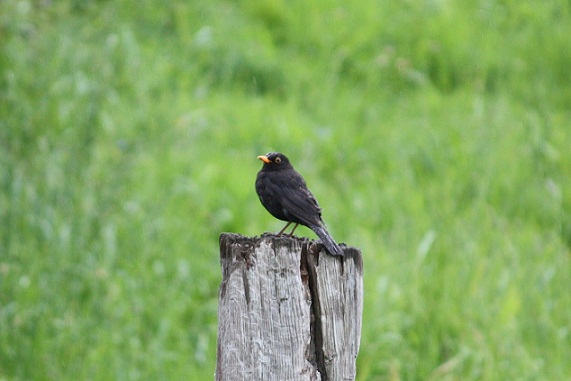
{"x": 310, "y": 255}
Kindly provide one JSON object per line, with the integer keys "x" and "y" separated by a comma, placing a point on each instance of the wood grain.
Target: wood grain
{"x": 287, "y": 310}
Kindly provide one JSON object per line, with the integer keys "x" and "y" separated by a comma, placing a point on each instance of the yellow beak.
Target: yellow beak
{"x": 264, "y": 159}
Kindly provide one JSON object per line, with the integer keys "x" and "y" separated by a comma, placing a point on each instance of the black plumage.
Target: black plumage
{"x": 284, "y": 193}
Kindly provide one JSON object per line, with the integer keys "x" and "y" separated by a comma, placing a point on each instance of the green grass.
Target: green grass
{"x": 434, "y": 134}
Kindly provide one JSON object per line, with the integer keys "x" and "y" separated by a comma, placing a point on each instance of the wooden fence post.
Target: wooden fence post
{"x": 287, "y": 310}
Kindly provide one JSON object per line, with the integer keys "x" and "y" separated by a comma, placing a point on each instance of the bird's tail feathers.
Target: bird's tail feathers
{"x": 328, "y": 241}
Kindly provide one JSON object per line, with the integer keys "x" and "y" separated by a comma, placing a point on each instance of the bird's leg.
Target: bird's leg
{"x": 292, "y": 230}
{"x": 285, "y": 227}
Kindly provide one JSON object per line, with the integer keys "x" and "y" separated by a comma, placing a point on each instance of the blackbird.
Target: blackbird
{"x": 284, "y": 194}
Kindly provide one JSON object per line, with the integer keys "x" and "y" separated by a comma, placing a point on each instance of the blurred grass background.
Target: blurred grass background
{"x": 435, "y": 134}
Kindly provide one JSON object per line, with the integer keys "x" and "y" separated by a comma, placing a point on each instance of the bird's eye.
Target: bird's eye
{"x": 278, "y": 160}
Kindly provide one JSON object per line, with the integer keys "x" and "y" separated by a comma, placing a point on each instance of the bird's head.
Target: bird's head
{"x": 275, "y": 161}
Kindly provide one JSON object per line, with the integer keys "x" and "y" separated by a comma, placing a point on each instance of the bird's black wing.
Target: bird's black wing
{"x": 299, "y": 202}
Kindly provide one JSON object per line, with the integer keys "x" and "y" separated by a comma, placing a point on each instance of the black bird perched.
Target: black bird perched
{"x": 284, "y": 194}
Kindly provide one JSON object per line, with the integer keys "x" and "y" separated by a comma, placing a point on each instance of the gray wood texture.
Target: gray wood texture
{"x": 287, "y": 310}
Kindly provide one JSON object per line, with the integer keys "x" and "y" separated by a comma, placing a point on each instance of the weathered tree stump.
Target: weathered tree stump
{"x": 287, "y": 310}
